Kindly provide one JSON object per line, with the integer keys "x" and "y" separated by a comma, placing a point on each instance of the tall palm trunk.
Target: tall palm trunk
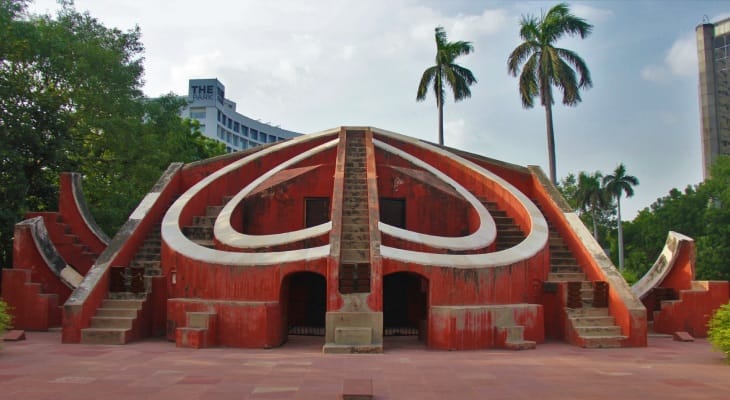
{"x": 595, "y": 225}
{"x": 620, "y": 236}
{"x": 441, "y": 122}
{"x": 550, "y": 140}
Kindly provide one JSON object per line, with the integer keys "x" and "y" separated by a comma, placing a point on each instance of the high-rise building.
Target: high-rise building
{"x": 713, "y": 51}
{"x": 219, "y": 119}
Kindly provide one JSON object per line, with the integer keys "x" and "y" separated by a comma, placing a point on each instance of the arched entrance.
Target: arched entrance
{"x": 304, "y": 298}
{"x": 405, "y": 305}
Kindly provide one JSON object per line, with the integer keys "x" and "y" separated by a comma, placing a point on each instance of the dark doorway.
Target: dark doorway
{"x": 405, "y": 304}
{"x": 316, "y": 211}
{"x": 393, "y": 212}
{"x": 305, "y": 298}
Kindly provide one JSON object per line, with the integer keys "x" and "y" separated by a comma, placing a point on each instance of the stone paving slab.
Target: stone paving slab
{"x": 43, "y": 368}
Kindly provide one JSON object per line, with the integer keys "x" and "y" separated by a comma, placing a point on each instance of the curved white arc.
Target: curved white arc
{"x": 226, "y": 234}
{"x": 531, "y": 245}
{"x": 482, "y": 237}
{"x": 174, "y": 237}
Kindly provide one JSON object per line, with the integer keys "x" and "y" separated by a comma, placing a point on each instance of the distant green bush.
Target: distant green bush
{"x": 719, "y": 333}
{"x": 5, "y": 318}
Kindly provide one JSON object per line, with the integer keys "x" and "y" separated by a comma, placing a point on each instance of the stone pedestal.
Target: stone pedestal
{"x": 354, "y": 332}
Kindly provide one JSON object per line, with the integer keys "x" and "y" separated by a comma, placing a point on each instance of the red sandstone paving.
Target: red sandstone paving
{"x": 43, "y": 368}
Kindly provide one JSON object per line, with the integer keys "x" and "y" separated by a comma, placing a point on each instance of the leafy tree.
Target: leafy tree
{"x": 544, "y": 65}
{"x": 719, "y": 332}
{"x": 446, "y": 72}
{"x": 617, "y": 184}
{"x": 701, "y": 212}
{"x": 70, "y": 100}
{"x": 591, "y": 196}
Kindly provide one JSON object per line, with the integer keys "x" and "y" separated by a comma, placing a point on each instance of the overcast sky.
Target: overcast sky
{"x": 312, "y": 65}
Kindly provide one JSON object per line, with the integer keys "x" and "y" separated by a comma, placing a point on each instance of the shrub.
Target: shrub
{"x": 719, "y": 332}
{"x": 5, "y": 318}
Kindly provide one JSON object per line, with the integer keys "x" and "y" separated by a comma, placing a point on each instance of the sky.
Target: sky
{"x": 308, "y": 66}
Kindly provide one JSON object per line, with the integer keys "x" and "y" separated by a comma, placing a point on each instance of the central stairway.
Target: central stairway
{"x": 354, "y": 328}
{"x": 355, "y": 242}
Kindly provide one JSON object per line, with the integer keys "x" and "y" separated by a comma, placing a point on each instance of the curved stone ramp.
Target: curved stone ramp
{"x": 532, "y": 245}
{"x": 481, "y": 238}
{"x": 76, "y": 211}
{"x": 674, "y": 247}
{"x": 40, "y": 278}
{"x": 173, "y": 236}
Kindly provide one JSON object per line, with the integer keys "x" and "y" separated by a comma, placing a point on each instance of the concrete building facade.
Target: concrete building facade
{"x": 219, "y": 120}
{"x": 713, "y": 51}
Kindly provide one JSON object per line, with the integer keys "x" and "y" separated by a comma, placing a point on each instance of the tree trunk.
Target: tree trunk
{"x": 620, "y": 236}
{"x": 441, "y": 119}
{"x": 595, "y": 225}
{"x": 550, "y": 141}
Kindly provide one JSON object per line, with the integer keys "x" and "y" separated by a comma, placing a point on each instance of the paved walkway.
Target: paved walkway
{"x": 42, "y": 368}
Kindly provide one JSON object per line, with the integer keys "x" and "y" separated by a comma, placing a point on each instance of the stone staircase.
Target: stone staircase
{"x": 114, "y": 322}
{"x": 117, "y": 320}
{"x": 200, "y": 330}
{"x": 201, "y": 231}
{"x": 509, "y": 233}
{"x": 355, "y": 240}
{"x": 587, "y": 316}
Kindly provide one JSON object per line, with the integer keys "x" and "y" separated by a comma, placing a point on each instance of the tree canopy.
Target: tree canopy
{"x": 71, "y": 100}
{"x": 544, "y": 65}
{"x": 447, "y": 73}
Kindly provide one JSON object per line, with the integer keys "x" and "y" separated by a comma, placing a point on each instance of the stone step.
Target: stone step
{"x": 566, "y": 277}
{"x": 587, "y": 331}
{"x": 601, "y": 320}
{"x": 563, "y": 269}
{"x": 355, "y": 212}
{"x": 112, "y": 322}
{"x": 562, "y": 260}
{"x": 104, "y": 335}
{"x": 587, "y": 312}
{"x": 354, "y": 245}
{"x": 146, "y": 263}
{"x": 520, "y": 345}
{"x": 354, "y": 256}
{"x": 203, "y": 220}
{"x": 354, "y": 220}
{"x": 198, "y": 232}
{"x": 213, "y": 211}
{"x": 117, "y": 312}
{"x": 602, "y": 342}
{"x": 122, "y": 303}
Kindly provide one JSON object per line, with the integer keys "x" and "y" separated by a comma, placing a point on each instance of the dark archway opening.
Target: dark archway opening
{"x": 405, "y": 305}
{"x": 304, "y": 296}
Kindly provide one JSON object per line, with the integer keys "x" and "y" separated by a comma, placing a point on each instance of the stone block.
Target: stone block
{"x": 14, "y": 335}
{"x": 681, "y": 336}
{"x": 353, "y": 335}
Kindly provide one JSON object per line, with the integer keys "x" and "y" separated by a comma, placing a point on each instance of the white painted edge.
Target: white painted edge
{"x": 656, "y": 274}
{"x": 144, "y": 206}
{"x": 226, "y": 234}
{"x": 482, "y": 237}
{"x": 533, "y": 243}
{"x": 71, "y": 276}
{"x": 173, "y": 236}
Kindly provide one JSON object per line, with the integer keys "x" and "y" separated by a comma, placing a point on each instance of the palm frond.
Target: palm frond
{"x": 579, "y": 64}
{"x": 519, "y": 55}
{"x": 428, "y": 75}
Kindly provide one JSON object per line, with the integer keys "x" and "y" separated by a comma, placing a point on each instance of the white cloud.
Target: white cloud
{"x": 680, "y": 61}
{"x": 591, "y": 14}
{"x": 682, "y": 56}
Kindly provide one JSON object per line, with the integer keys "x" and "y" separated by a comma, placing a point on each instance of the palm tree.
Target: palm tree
{"x": 591, "y": 196}
{"x": 446, "y": 72}
{"x": 545, "y": 66}
{"x": 615, "y": 185}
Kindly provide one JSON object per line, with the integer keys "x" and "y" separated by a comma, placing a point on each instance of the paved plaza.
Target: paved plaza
{"x": 43, "y": 368}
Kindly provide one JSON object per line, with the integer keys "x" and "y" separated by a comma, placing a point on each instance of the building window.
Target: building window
{"x": 197, "y": 113}
{"x": 244, "y": 130}
{"x": 272, "y": 138}
{"x": 230, "y": 123}
{"x": 220, "y": 132}
{"x": 235, "y": 127}
{"x": 235, "y": 140}
{"x": 254, "y": 134}
{"x": 219, "y": 115}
